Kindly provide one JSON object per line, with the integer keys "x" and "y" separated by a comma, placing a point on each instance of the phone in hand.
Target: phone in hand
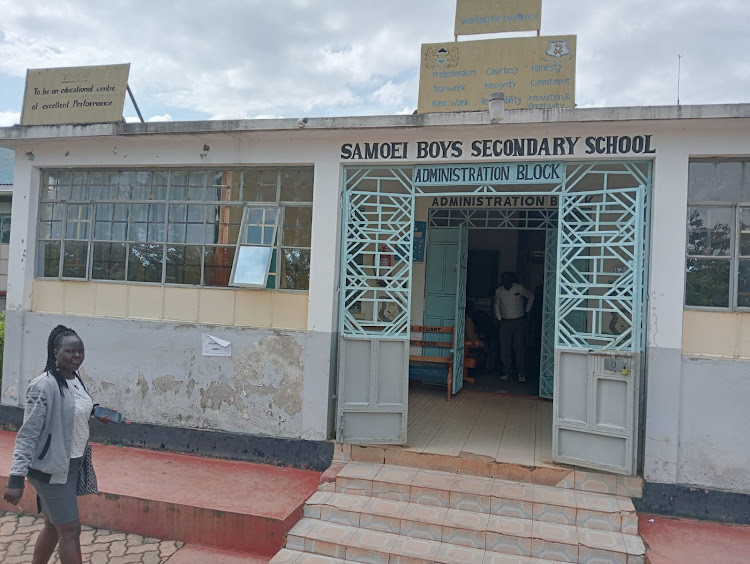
{"x": 114, "y": 416}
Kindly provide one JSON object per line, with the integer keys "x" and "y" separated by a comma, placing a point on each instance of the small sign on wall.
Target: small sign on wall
{"x": 420, "y": 234}
{"x": 213, "y": 346}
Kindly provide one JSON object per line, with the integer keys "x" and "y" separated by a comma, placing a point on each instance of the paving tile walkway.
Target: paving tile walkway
{"x": 99, "y": 546}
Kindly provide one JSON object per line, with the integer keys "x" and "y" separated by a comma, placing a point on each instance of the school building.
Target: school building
{"x": 283, "y": 280}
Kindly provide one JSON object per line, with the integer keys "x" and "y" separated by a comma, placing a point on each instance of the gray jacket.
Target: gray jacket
{"x": 43, "y": 441}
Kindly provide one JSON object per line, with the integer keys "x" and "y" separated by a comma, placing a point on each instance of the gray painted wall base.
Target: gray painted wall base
{"x": 676, "y": 500}
{"x": 307, "y": 455}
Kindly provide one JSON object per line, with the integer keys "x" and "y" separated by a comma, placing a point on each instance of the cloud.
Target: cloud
{"x": 165, "y": 117}
{"x": 9, "y": 118}
{"x": 225, "y": 60}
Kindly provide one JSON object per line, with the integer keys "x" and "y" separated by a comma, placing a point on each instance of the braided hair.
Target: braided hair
{"x": 53, "y": 342}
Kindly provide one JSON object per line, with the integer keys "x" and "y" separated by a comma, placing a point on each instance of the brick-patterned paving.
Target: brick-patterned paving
{"x": 99, "y": 546}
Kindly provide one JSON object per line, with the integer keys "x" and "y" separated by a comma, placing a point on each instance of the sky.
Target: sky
{"x": 243, "y": 59}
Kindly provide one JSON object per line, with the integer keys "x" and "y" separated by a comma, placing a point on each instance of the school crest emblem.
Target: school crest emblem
{"x": 444, "y": 57}
{"x": 558, "y": 48}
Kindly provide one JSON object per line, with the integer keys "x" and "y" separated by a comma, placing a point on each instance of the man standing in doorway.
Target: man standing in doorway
{"x": 511, "y": 315}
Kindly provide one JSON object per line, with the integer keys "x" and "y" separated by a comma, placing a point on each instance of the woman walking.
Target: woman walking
{"x": 51, "y": 444}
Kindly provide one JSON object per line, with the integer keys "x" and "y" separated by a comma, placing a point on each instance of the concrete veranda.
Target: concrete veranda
{"x": 684, "y": 541}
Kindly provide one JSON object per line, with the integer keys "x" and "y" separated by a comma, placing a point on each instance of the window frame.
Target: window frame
{"x": 734, "y": 257}
{"x": 272, "y": 245}
{"x": 110, "y": 194}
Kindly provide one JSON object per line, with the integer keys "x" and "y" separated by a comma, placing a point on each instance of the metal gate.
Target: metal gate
{"x": 601, "y": 278}
{"x": 375, "y": 305}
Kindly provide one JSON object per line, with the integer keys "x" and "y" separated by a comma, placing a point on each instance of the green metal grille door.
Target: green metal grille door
{"x": 600, "y": 278}
{"x": 547, "y": 360}
{"x": 445, "y": 291}
{"x": 374, "y": 306}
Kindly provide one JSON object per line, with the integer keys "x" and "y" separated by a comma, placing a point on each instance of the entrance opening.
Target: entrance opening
{"x": 499, "y": 414}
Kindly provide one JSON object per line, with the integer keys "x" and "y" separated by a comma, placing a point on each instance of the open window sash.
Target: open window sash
{"x": 255, "y": 246}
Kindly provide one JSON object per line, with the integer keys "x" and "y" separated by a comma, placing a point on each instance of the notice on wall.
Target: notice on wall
{"x": 497, "y": 16}
{"x": 532, "y": 72}
{"x": 75, "y": 95}
{"x": 214, "y": 346}
{"x": 420, "y": 235}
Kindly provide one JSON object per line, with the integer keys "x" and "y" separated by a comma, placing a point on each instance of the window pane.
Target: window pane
{"x": 108, "y": 261}
{"x": 5, "y": 229}
{"x": 296, "y": 185}
{"x": 252, "y": 265}
{"x": 223, "y": 224}
{"x": 142, "y": 189}
{"x": 260, "y": 185}
{"x": 183, "y": 265}
{"x": 75, "y": 257}
{"x": 297, "y": 226}
{"x": 295, "y": 269}
{"x": 714, "y": 181}
{"x": 144, "y": 262}
{"x": 707, "y": 282}
{"x": 80, "y": 190}
{"x": 709, "y": 231}
{"x": 225, "y": 187}
{"x": 160, "y": 181}
{"x": 127, "y": 185}
{"x": 743, "y": 284}
{"x": 745, "y": 232}
{"x": 217, "y": 265}
{"x": 64, "y": 185}
{"x": 78, "y": 221}
{"x": 48, "y": 261}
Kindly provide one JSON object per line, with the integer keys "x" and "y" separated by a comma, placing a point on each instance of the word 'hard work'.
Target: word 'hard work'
{"x": 484, "y": 148}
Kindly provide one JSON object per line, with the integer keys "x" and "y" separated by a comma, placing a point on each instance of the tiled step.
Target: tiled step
{"x": 414, "y": 553}
{"x": 584, "y": 480}
{"x": 497, "y": 533}
{"x": 501, "y": 536}
{"x": 548, "y": 504}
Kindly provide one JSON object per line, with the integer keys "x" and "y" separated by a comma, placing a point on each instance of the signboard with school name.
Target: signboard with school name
{"x": 532, "y": 72}
{"x": 75, "y": 95}
{"x": 497, "y": 16}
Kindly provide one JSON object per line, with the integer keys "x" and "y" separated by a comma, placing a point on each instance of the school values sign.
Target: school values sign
{"x": 533, "y": 72}
{"x": 75, "y": 95}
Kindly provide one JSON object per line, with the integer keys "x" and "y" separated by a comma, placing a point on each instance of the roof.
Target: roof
{"x": 7, "y": 162}
{"x": 9, "y": 135}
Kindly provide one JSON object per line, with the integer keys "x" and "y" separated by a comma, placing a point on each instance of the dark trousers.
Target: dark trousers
{"x": 513, "y": 339}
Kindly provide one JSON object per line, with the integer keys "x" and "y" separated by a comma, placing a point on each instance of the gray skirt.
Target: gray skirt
{"x": 58, "y": 501}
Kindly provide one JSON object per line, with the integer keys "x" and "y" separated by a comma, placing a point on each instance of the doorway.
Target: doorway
{"x": 600, "y": 294}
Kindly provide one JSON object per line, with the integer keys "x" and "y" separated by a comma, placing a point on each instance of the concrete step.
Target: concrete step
{"x": 208, "y": 502}
{"x": 565, "y": 506}
{"x": 470, "y": 535}
{"x": 560, "y": 476}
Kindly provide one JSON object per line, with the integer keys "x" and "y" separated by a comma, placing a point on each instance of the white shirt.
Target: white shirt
{"x": 509, "y": 303}
{"x": 83, "y": 406}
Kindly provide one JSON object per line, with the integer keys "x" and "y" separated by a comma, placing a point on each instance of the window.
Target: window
{"x": 178, "y": 226}
{"x": 5, "y": 228}
{"x": 718, "y": 234}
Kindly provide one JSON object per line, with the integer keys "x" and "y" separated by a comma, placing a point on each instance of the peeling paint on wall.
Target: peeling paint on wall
{"x": 259, "y": 390}
{"x": 165, "y": 384}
